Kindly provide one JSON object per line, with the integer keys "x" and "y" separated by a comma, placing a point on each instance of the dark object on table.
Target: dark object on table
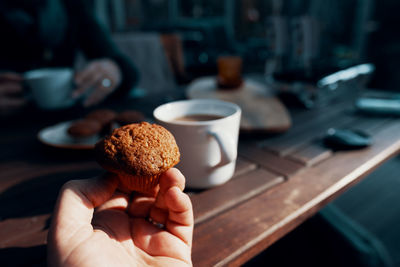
{"x": 346, "y": 83}
{"x": 105, "y": 117}
{"x": 379, "y": 106}
{"x": 229, "y": 72}
{"x": 84, "y": 128}
{"x": 129, "y": 116}
{"x": 341, "y": 139}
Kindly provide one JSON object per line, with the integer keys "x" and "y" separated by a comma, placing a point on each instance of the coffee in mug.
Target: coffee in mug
{"x": 206, "y": 132}
{"x": 198, "y": 117}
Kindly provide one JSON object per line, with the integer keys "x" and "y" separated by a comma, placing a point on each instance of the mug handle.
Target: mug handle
{"x": 227, "y": 147}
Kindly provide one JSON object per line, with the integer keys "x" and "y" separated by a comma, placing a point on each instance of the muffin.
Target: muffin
{"x": 84, "y": 130}
{"x": 138, "y": 153}
{"x": 128, "y": 117}
{"x": 105, "y": 117}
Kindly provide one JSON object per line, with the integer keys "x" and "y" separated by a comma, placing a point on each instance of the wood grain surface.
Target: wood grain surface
{"x": 257, "y": 223}
{"x": 280, "y": 181}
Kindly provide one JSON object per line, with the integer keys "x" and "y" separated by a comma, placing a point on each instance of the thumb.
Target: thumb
{"x": 78, "y": 198}
{"x": 74, "y": 210}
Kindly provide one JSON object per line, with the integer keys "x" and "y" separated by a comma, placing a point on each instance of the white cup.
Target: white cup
{"x": 51, "y": 88}
{"x": 208, "y": 147}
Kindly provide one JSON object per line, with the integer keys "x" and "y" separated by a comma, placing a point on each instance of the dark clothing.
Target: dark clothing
{"x": 49, "y": 33}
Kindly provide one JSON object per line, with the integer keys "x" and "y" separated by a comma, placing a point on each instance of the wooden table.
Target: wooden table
{"x": 280, "y": 181}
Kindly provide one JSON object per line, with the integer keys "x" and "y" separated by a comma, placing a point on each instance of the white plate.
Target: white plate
{"x": 57, "y": 136}
{"x": 261, "y": 110}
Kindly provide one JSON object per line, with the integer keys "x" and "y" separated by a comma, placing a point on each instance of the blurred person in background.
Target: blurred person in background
{"x": 50, "y": 33}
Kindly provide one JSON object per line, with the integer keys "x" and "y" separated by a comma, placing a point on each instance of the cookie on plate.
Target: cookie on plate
{"x": 84, "y": 128}
{"x": 105, "y": 117}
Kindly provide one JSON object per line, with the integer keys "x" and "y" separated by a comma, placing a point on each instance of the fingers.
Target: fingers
{"x": 173, "y": 208}
{"x": 11, "y": 77}
{"x": 10, "y": 93}
{"x": 140, "y": 206}
{"x": 118, "y": 201}
{"x": 71, "y": 221}
{"x": 76, "y": 203}
{"x": 83, "y": 77}
{"x": 11, "y": 103}
{"x": 111, "y": 217}
{"x": 10, "y": 88}
{"x": 101, "y": 77}
{"x": 179, "y": 206}
{"x": 180, "y": 214}
{"x": 99, "y": 93}
{"x": 86, "y": 79}
{"x": 172, "y": 177}
{"x": 170, "y": 203}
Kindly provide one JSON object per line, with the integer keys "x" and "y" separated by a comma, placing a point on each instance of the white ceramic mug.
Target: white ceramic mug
{"x": 208, "y": 147}
{"x": 51, "y": 88}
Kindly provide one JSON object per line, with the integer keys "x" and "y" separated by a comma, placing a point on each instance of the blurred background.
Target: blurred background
{"x": 294, "y": 39}
{"x": 290, "y": 40}
{"x": 173, "y": 42}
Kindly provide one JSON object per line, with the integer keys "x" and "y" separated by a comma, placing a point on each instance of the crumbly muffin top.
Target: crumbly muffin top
{"x": 141, "y": 149}
{"x": 104, "y": 116}
{"x": 84, "y": 128}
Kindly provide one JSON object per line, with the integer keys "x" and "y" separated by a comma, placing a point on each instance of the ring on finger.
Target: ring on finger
{"x": 106, "y": 82}
{"x": 156, "y": 224}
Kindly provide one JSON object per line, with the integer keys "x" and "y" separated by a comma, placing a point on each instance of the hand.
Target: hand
{"x": 11, "y": 92}
{"x": 117, "y": 232}
{"x": 100, "y": 78}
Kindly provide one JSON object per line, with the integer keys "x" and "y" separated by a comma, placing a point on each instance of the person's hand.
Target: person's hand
{"x": 11, "y": 90}
{"x": 118, "y": 231}
{"x": 98, "y": 79}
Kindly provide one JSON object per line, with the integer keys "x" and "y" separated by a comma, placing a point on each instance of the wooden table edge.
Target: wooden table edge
{"x": 284, "y": 226}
